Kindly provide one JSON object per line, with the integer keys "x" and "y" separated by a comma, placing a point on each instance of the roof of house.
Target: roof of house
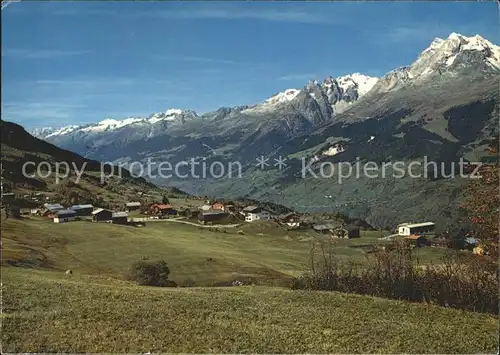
{"x": 62, "y": 212}
{"x": 325, "y": 226}
{"x": 251, "y": 208}
{"x": 213, "y": 213}
{"x": 163, "y": 206}
{"x": 416, "y": 225}
{"x": 132, "y": 204}
{"x": 471, "y": 240}
{"x": 80, "y": 207}
{"x": 119, "y": 214}
{"x": 287, "y": 215}
{"x": 99, "y": 210}
{"x": 53, "y": 206}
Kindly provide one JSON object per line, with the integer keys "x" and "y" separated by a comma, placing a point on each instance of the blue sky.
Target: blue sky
{"x": 81, "y": 62}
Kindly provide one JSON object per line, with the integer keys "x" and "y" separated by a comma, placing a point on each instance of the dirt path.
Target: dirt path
{"x": 182, "y": 220}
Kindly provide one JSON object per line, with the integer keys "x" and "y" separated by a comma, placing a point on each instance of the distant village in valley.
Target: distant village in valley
{"x": 206, "y": 212}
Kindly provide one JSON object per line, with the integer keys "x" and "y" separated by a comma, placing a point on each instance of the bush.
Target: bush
{"x": 151, "y": 273}
{"x": 467, "y": 282}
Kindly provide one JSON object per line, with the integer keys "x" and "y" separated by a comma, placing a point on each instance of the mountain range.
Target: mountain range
{"x": 444, "y": 106}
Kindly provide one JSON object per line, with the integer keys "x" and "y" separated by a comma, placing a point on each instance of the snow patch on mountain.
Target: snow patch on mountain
{"x": 271, "y": 103}
{"x": 42, "y": 132}
{"x": 62, "y": 131}
{"x": 285, "y": 96}
{"x": 364, "y": 83}
{"x": 168, "y": 115}
{"x": 333, "y": 150}
{"x": 110, "y": 124}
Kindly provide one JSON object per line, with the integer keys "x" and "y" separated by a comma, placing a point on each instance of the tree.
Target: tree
{"x": 483, "y": 200}
{"x": 165, "y": 200}
{"x": 151, "y": 273}
{"x": 74, "y": 197}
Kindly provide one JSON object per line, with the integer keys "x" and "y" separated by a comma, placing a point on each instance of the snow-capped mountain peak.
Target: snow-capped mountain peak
{"x": 456, "y": 51}
{"x": 333, "y": 95}
{"x": 168, "y": 115}
{"x": 110, "y": 124}
{"x": 364, "y": 83}
{"x": 285, "y": 96}
{"x": 62, "y": 130}
{"x": 453, "y": 56}
{"x": 46, "y": 132}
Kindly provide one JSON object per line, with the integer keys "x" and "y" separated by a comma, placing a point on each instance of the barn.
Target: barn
{"x": 82, "y": 210}
{"x": 63, "y": 216}
{"x": 101, "y": 215}
{"x": 417, "y": 240}
{"x": 416, "y": 228}
{"x": 132, "y": 206}
{"x": 210, "y": 216}
{"x": 119, "y": 217}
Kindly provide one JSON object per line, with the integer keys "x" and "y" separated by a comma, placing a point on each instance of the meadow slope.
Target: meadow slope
{"x": 95, "y": 310}
{"x": 49, "y": 312}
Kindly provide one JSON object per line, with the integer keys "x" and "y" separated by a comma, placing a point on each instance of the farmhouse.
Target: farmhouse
{"x": 62, "y": 216}
{"x": 291, "y": 219}
{"x": 415, "y": 228}
{"x": 255, "y": 213}
{"x": 50, "y": 208}
{"x": 417, "y": 240}
{"x": 226, "y": 207}
{"x": 189, "y": 212}
{"x": 210, "y": 216}
{"x": 132, "y": 206}
{"x": 162, "y": 209}
{"x": 101, "y": 214}
{"x": 326, "y": 228}
{"x": 119, "y": 217}
{"x": 348, "y": 232}
{"x": 35, "y": 211}
{"x": 82, "y": 210}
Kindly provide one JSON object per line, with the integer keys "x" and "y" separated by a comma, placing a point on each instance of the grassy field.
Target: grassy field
{"x": 95, "y": 310}
{"x": 262, "y": 252}
{"x": 51, "y": 312}
{"x": 105, "y": 249}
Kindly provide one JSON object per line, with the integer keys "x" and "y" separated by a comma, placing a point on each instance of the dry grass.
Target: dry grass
{"x": 50, "y": 312}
